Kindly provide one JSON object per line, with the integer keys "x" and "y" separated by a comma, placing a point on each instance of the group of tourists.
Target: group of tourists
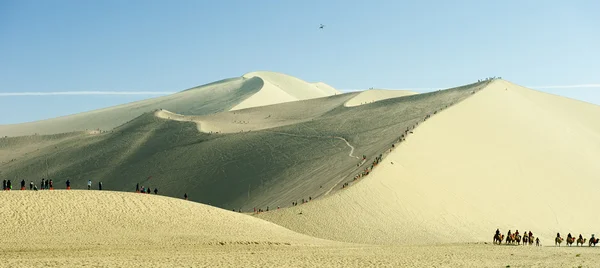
{"x": 44, "y": 185}
{"x": 147, "y": 190}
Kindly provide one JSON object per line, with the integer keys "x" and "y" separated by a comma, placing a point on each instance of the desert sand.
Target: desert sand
{"x": 490, "y": 155}
{"x": 111, "y": 229}
{"x": 373, "y": 95}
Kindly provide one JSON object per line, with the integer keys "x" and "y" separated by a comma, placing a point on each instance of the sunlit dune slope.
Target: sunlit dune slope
{"x": 373, "y": 95}
{"x": 60, "y": 218}
{"x": 279, "y": 88}
{"x": 508, "y": 157}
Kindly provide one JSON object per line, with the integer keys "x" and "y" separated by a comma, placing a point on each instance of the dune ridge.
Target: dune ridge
{"x": 281, "y": 88}
{"x": 373, "y": 95}
{"x": 518, "y": 155}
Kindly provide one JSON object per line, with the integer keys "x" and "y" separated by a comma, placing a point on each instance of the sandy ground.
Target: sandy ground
{"x": 373, "y": 95}
{"x": 112, "y": 229}
{"x": 507, "y": 157}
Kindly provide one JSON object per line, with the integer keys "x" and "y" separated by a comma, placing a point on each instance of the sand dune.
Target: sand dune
{"x": 263, "y": 156}
{"x": 507, "y": 157}
{"x": 111, "y": 229}
{"x": 280, "y": 88}
{"x": 373, "y": 95}
{"x": 85, "y": 217}
{"x": 499, "y": 157}
{"x": 251, "y": 90}
{"x": 211, "y": 98}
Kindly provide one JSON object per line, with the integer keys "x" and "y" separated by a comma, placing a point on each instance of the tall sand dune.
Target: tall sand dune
{"x": 373, "y": 95}
{"x": 268, "y": 156}
{"x": 508, "y": 157}
{"x": 279, "y": 88}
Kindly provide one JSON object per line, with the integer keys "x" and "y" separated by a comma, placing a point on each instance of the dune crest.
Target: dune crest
{"x": 508, "y": 157}
{"x": 373, "y": 95}
{"x": 281, "y": 88}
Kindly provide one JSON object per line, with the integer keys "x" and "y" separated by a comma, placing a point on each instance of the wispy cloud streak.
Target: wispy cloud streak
{"x": 75, "y": 93}
{"x": 569, "y": 86}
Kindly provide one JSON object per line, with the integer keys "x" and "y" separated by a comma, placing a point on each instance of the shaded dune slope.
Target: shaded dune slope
{"x": 212, "y": 98}
{"x": 508, "y": 158}
{"x": 267, "y": 167}
{"x": 373, "y": 95}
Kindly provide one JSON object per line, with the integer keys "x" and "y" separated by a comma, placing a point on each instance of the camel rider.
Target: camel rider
{"x": 508, "y": 235}
{"x": 558, "y": 235}
{"x": 530, "y": 234}
{"x": 580, "y": 237}
{"x": 497, "y": 231}
{"x": 516, "y": 232}
{"x": 569, "y": 236}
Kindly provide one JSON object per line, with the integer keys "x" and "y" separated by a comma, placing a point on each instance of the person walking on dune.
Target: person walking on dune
{"x": 8, "y": 185}
{"x": 4, "y": 185}
{"x": 89, "y": 184}
{"x": 68, "y": 185}
{"x": 100, "y": 186}
{"x": 31, "y": 185}
{"x": 23, "y": 185}
{"x": 137, "y": 188}
{"x": 51, "y": 184}
{"x": 155, "y": 190}
{"x": 47, "y": 185}
{"x": 42, "y": 184}
{"x": 185, "y": 196}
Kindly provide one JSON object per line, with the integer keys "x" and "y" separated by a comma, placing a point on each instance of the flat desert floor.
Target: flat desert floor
{"x": 158, "y": 255}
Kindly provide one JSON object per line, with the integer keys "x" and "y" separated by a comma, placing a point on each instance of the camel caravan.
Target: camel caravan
{"x": 516, "y": 238}
{"x": 528, "y": 238}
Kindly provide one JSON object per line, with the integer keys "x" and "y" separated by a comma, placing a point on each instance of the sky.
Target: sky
{"x": 109, "y": 52}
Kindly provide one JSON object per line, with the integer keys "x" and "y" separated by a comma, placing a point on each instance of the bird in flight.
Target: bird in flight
{"x": 322, "y": 26}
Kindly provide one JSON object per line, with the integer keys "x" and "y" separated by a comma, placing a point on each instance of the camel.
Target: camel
{"x": 558, "y": 240}
{"x": 594, "y": 241}
{"x": 525, "y": 240}
{"x": 498, "y": 238}
{"x": 510, "y": 239}
{"x": 531, "y": 240}
{"x": 570, "y": 241}
{"x": 518, "y": 239}
{"x": 581, "y": 241}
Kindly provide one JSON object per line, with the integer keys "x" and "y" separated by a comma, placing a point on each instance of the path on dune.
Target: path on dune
{"x": 315, "y": 136}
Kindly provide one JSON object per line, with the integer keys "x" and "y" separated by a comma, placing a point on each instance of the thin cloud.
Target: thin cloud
{"x": 76, "y": 93}
{"x": 409, "y": 89}
{"x": 570, "y": 86}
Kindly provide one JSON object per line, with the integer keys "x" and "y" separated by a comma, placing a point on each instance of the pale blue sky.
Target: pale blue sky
{"x": 166, "y": 46}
